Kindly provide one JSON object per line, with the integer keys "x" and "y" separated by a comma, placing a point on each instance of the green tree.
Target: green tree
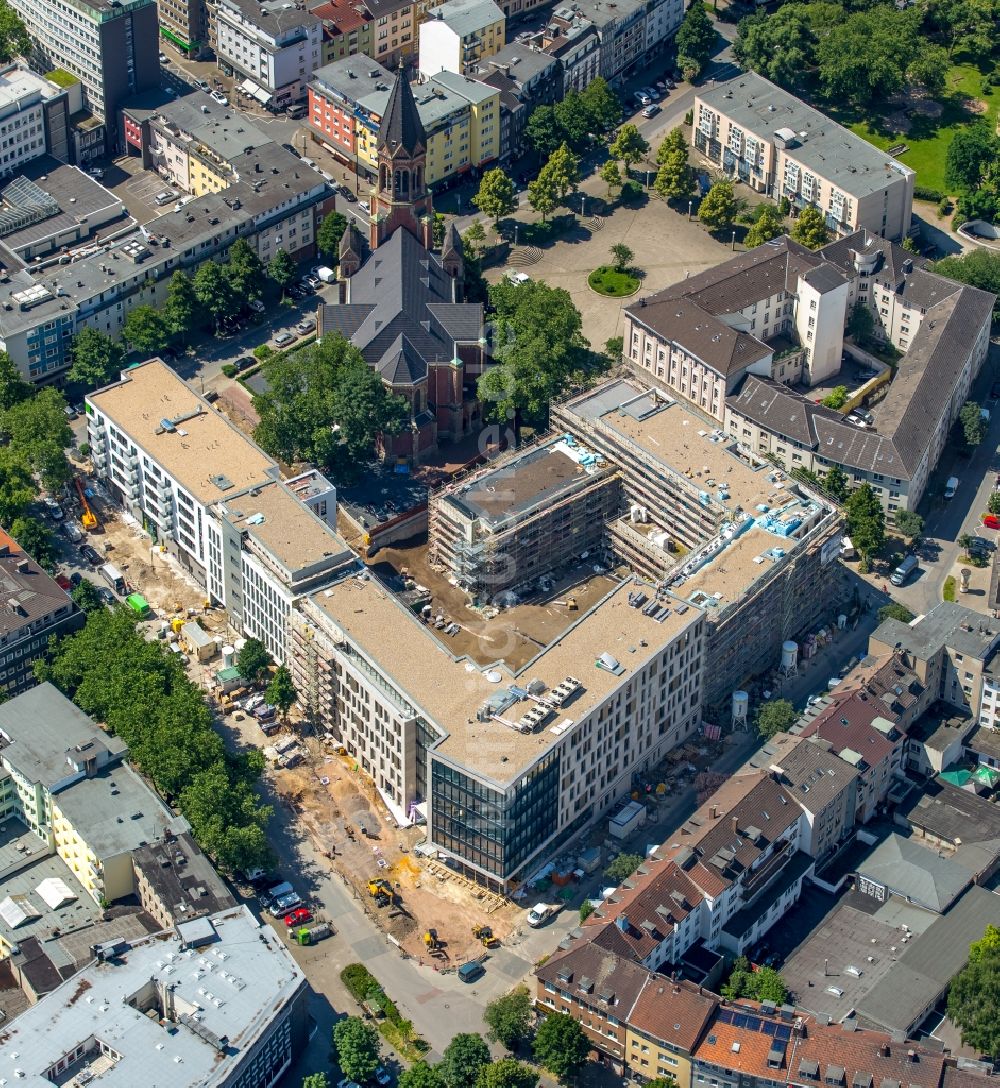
{"x": 993, "y": 503}
{"x": 85, "y": 596}
{"x": 281, "y": 269}
{"x": 252, "y": 660}
{"x": 775, "y": 716}
{"x": 766, "y": 226}
{"x": 675, "y": 179}
{"x": 330, "y": 232}
{"x": 629, "y": 146}
{"x": 861, "y": 324}
{"x": 622, "y": 256}
{"x": 973, "y": 425}
{"x": 809, "y": 229}
{"x": 764, "y": 984}
{"x": 894, "y": 611}
{"x": 357, "y": 1048}
{"x": 539, "y": 350}
{"x": 586, "y": 910}
{"x": 696, "y": 38}
{"x": 507, "y": 1073}
{"x": 146, "y": 329}
{"x": 316, "y": 1080}
{"x": 246, "y": 273}
{"x": 836, "y": 398}
{"x": 97, "y": 359}
{"x": 613, "y": 348}
{"x": 865, "y": 521}
{"x": 14, "y": 38}
{"x": 281, "y": 692}
{"x": 17, "y": 488}
{"x": 508, "y": 1018}
{"x": 13, "y": 388}
{"x": 181, "y": 307}
{"x": 611, "y": 176}
{"x": 214, "y": 292}
{"x": 974, "y": 1000}
{"x": 542, "y": 194}
{"x": 718, "y": 208}
{"x": 561, "y": 1046}
{"x": 496, "y": 197}
{"x": 564, "y": 168}
{"x": 980, "y": 268}
{"x": 38, "y": 433}
{"x": 36, "y": 540}
{"x": 987, "y": 946}
{"x": 543, "y": 131}
{"x": 781, "y": 47}
{"x": 463, "y": 1057}
{"x": 324, "y": 404}
{"x": 474, "y": 240}
{"x": 909, "y": 523}
{"x": 623, "y": 867}
{"x": 603, "y": 106}
{"x": 421, "y": 1075}
{"x": 666, "y": 1081}
{"x": 674, "y": 141}
{"x": 972, "y": 150}
{"x": 835, "y": 483}
{"x": 574, "y": 120}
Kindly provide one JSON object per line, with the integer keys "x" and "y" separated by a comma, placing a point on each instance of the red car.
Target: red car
{"x": 63, "y": 582}
{"x": 991, "y": 521}
{"x": 298, "y": 917}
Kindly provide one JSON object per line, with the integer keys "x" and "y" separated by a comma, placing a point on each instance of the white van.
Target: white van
{"x": 951, "y": 487}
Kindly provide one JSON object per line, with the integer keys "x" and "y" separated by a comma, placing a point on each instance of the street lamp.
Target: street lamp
{"x": 690, "y": 205}
{"x": 583, "y": 205}
{"x": 516, "y": 226}
{"x": 734, "y": 241}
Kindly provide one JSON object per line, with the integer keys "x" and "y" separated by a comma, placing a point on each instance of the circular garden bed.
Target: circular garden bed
{"x": 612, "y": 282}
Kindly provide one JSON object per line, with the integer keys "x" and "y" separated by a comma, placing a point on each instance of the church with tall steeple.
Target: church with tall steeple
{"x": 402, "y": 304}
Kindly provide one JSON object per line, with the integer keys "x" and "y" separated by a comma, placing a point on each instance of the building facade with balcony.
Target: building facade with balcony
{"x": 780, "y": 147}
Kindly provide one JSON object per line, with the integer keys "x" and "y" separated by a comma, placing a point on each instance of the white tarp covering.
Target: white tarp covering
{"x": 17, "y": 909}
{"x": 55, "y": 892}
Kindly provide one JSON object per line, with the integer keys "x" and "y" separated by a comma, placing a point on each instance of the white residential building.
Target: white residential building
{"x": 214, "y": 499}
{"x": 275, "y": 46}
{"x": 217, "y": 1002}
{"x": 25, "y": 118}
{"x": 459, "y": 35}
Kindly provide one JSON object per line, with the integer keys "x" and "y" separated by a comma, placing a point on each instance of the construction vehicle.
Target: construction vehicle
{"x": 379, "y": 886}
{"x": 485, "y": 935}
{"x": 431, "y": 941}
{"x": 88, "y": 519}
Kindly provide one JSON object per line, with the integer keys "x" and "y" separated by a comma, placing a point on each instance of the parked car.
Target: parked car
{"x": 91, "y": 556}
{"x": 306, "y": 326}
{"x": 95, "y": 172}
{"x": 290, "y": 148}
{"x": 75, "y": 578}
{"x": 164, "y": 59}
{"x": 282, "y": 338}
{"x": 164, "y": 198}
{"x": 63, "y": 582}
{"x": 348, "y": 195}
{"x": 902, "y": 573}
{"x": 991, "y": 521}
{"x": 541, "y": 913}
{"x": 981, "y": 544}
{"x": 642, "y": 98}
{"x": 219, "y": 98}
{"x": 202, "y": 84}
{"x": 298, "y": 917}
{"x": 52, "y": 508}
{"x": 951, "y": 487}
{"x": 256, "y": 305}
{"x": 470, "y": 971}
{"x": 651, "y": 111}
{"x": 108, "y": 599}
{"x": 382, "y": 1076}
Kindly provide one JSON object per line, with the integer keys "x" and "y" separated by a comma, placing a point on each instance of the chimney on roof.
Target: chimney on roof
{"x": 714, "y": 812}
{"x": 736, "y": 825}
{"x": 884, "y": 1050}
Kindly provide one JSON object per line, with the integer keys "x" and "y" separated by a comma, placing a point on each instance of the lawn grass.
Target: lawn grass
{"x": 948, "y": 590}
{"x": 612, "y": 282}
{"x": 929, "y": 138}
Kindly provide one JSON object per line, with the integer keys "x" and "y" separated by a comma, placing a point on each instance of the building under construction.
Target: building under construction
{"x": 513, "y": 524}
{"x": 719, "y": 527}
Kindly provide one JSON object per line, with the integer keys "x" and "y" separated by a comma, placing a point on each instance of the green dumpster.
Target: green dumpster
{"x": 139, "y": 605}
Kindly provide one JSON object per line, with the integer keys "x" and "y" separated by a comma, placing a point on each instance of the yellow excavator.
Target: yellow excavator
{"x": 431, "y": 941}
{"x": 485, "y": 935}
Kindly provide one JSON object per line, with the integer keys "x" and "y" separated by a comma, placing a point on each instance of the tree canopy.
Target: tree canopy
{"x": 142, "y": 694}
{"x": 507, "y": 1073}
{"x": 561, "y": 1046}
{"x": 509, "y": 1018}
{"x": 281, "y": 269}
{"x": 421, "y": 1075}
{"x": 630, "y": 146}
{"x": 809, "y": 229}
{"x": 766, "y": 226}
{"x": 538, "y": 346}
{"x": 326, "y": 405}
{"x": 696, "y": 38}
{"x": 38, "y": 434}
{"x": 865, "y": 520}
{"x": 980, "y": 268}
{"x": 775, "y": 716}
{"x": 357, "y": 1047}
{"x": 973, "y": 424}
{"x": 181, "y": 307}
{"x": 281, "y": 692}
{"x": 974, "y": 995}
{"x": 623, "y": 867}
{"x": 214, "y": 291}
{"x": 718, "y": 208}
{"x": 330, "y": 232}
{"x": 894, "y": 611}
{"x": 36, "y": 539}
{"x": 463, "y": 1057}
{"x": 146, "y": 329}
{"x": 14, "y": 38}
{"x": 496, "y": 196}
{"x": 97, "y": 358}
{"x": 246, "y": 272}
{"x": 252, "y": 660}
{"x": 764, "y": 984}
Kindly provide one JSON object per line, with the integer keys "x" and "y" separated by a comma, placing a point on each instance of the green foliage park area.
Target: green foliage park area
{"x": 575, "y": 120}
{"x": 923, "y": 76}
{"x": 142, "y": 694}
{"x": 616, "y": 283}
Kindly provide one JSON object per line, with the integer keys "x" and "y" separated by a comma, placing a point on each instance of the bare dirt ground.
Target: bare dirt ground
{"x": 334, "y": 800}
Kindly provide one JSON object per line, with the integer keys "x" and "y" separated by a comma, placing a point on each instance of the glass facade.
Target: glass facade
{"x": 497, "y": 832}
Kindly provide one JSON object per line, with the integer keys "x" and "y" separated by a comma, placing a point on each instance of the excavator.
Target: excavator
{"x": 380, "y": 890}
{"x": 432, "y": 942}
{"x": 88, "y": 519}
{"x": 485, "y": 934}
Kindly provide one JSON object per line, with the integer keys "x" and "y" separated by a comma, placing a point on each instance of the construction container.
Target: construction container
{"x": 199, "y": 642}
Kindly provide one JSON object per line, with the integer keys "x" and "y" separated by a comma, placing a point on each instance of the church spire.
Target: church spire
{"x": 401, "y": 131}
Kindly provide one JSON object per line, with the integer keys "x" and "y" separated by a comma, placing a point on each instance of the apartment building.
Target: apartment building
{"x": 65, "y": 779}
{"x": 111, "y": 46}
{"x": 460, "y": 118}
{"x": 34, "y": 119}
{"x": 173, "y": 1003}
{"x": 576, "y": 45}
{"x": 460, "y": 36}
{"x": 348, "y": 30}
{"x": 951, "y": 650}
{"x": 780, "y": 147}
{"x": 511, "y": 523}
{"x": 36, "y": 609}
{"x": 274, "y": 46}
{"x": 276, "y": 204}
{"x": 189, "y": 26}
{"x": 686, "y": 522}
{"x": 526, "y": 79}
{"x": 775, "y": 312}
{"x": 175, "y": 882}
{"x": 482, "y": 743}
{"x": 191, "y": 142}
{"x": 214, "y": 499}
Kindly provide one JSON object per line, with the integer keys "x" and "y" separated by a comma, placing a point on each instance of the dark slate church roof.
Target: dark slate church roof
{"x": 401, "y": 316}
{"x": 401, "y": 127}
